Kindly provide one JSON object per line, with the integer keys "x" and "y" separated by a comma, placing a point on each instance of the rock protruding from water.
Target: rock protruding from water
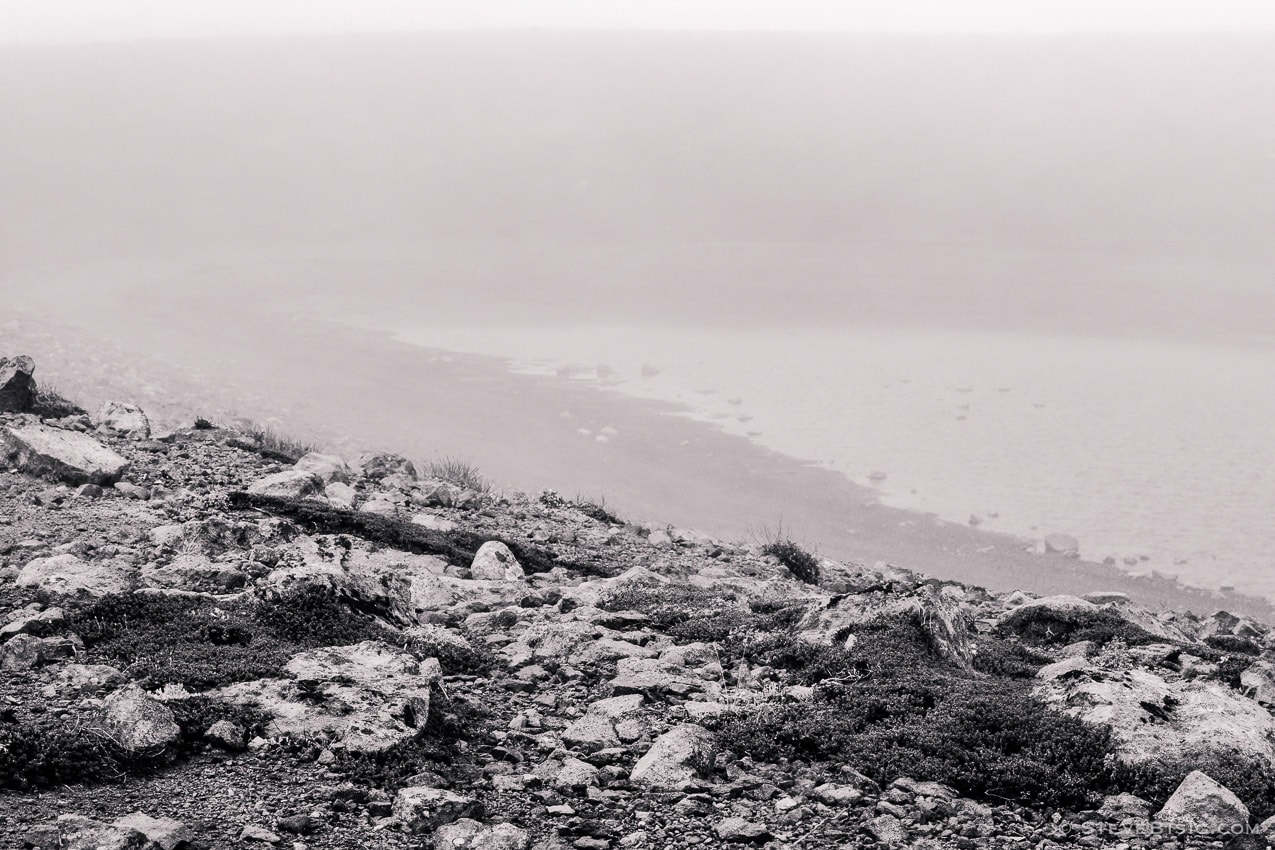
{"x": 17, "y": 387}
{"x": 1062, "y": 544}
{"x": 1203, "y": 805}
{"x": 68, "y": 456}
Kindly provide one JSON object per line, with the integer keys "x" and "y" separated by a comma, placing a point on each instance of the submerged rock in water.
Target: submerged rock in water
{"x": 1062, "y": 544}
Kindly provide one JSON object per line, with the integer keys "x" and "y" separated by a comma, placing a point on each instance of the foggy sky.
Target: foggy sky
{"x": 61, "y": 21}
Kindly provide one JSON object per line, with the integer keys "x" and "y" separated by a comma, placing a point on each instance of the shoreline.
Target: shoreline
{"x": 660, "y": 467}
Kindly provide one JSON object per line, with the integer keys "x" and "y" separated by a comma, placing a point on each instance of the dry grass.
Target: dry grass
{"x": 458, "y": 472}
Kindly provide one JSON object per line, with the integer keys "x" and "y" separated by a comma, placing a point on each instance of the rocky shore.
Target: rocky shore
{"x": 218, "y": 639}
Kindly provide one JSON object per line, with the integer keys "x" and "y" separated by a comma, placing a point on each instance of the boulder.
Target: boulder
{"x": 1202, "y": 805}
{"x": 368, "y": 696}
{"x": 1167, "y": 723}
{"x": 38, "y": 623}
{"x": 421, "y": 809}
{"x": 1118, "y": 807}
{"x": 945, "y": 621}
{"x": 655, "y": 678}
{"x": 1258, "y": 681}
{"x": 675, "y": 758}
{"x": 77, "y": 832}
{"x": 69, "y": 456}
{"x": 195, "y": 572}
{"x": 341, "y": 495}
{"x": 329, "y": 468}
{"x": 67, "y": 575}
{"x": 26, "y": 652}
{"x": 17, "y": 386}
{"x": 468, "y": 834}
{"x": 289, "y": 484}
{"x": 596, "y": 729}
{"x": 163, "y": 833}
{"x": 495, "y": 562}
{"x": 127, "y": 420}
{"x": 138, "y": 722}
{"x": 1062, "y": 544}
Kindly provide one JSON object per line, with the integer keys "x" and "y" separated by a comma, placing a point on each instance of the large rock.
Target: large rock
{"x": 945, "y": 621}
{"x": 370, "y": 696}
{"x": 289, "y": 484}
{"x": 421, "y": 809}
{"x": 77, "y": 832}
{"x": 1167, "y": 724}
{"x": 67, "y": 575}
{"x": 398, "y": 586}
{"x": 1202, "y": 805}
{"x": 163, "y": 833}
{"x": 17, "y": 387}
{"x": 675, "y": 759}
{"x": 495, "y": 562}
{"x": 68, "y": 456}
{"x": 329, "y": 468}
{"x": 138, "y": 722}
{"x": 127, "y": 420}
{"x": 596, "y": 729}
{"x": 469, "y": 834}
{"x": 195, "y": 572}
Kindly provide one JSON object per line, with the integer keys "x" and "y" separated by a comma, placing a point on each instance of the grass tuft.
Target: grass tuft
{"x": 458, "y": 472}
{"x": 269, "y": 443}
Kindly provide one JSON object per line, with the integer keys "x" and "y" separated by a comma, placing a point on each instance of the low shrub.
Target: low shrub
{"x": 1249, "y": 779}
{"x": 46, "y": 753}
{"x": 190, "y": 641}
{"x": 1232, "y": 644}
{"x": 596, "y": 510}
{"x": 456, "y": 654}
{"x": 269, "y": 443}
{"x": 987, "y": 739}
{"x": 1041, "y": 627}
{"x": 1007, "y": 659}
{"x": 802, "y": 564}
{"x": 433, "y": 749}
{"x": 196, "y": 715}
{"x": 313, "y": 616}
{"x": 48, "y": 403}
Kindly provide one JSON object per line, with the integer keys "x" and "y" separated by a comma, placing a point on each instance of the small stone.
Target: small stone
{"x": 740, "y": 830}
{"x": 251, "y": 832}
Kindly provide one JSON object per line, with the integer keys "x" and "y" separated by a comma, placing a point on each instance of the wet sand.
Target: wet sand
{"x": 354, "y": 390}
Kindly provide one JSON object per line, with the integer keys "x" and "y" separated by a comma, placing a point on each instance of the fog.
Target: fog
{"x": 921, "y": 155}
{"x": 240, "y": 227}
